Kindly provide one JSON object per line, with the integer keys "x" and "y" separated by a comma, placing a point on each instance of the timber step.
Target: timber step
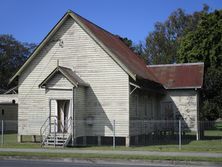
{"x": 57, "y": 139}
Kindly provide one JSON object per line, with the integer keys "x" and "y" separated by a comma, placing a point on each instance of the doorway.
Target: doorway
{"x": 63, "y": 114}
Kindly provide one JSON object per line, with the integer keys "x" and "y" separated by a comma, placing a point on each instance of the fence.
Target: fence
{"x": 150, "y": 133}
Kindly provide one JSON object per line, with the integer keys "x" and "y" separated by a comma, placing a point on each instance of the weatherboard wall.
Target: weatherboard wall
{"x": 8, "y": 98}
{"x": 185, "y": 106}
{"x": 106, "y": 99}
{"x": 59, "y": 81}
{"x": 144, "y": 109}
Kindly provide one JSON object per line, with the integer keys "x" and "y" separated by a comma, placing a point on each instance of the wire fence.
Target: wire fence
{"x": 150, "y": 133}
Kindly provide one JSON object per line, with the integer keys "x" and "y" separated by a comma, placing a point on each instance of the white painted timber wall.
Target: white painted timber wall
{"x": 107, "y": 99}
{"x": 59, "y": 81}
{"x": 185, "y": 104}
{"x": 80, "y": 112}
{"x": 8, "y": 98}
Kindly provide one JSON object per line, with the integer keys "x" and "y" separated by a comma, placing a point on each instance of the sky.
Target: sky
{"x": 31, "y": 20}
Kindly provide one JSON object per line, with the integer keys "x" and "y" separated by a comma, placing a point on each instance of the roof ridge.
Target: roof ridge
{"x": 130, "y": 62}
{"x": 180, "y": 64}
{"x": 117, "y": 36}
{"x": 91, "y": 22}
{"x": 139, "y": 62}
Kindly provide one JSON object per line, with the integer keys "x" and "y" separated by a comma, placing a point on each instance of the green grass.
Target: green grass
{"x": 194, "y": 146}
{"x": 10, "y": 141}
{"x": 212, "y": 133}
{"x": 110, "y": 156}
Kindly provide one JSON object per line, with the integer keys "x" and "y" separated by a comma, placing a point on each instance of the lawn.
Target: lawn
{"x": 10, "y": 141}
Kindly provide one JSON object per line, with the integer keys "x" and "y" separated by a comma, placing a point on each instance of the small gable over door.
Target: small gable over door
{"x": 62, "y": 77}
{"x": 59, "y": 81}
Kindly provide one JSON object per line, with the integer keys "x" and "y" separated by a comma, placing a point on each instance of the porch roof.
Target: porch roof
{"x": 70, "y": 75}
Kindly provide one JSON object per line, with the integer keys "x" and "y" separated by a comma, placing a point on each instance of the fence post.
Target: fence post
{"x": 2, "y": 132}
{"x": 180, "y": 134}
{"x": 114, "y": 134}
{"x": 54, "y": 132}
{"x": 72, "y": 132}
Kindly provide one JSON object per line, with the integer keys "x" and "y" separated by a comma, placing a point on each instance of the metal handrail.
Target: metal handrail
{"x": 47, "y": 124}
{"x": 43, "y": 131}
{"x": 69, "y": 125}
{"x": 43, "y": 125}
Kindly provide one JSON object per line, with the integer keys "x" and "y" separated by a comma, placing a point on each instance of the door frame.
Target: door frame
{"x": 56, "y": 108}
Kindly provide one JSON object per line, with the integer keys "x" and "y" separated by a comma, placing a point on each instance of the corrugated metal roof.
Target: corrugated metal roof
{"x": 132, "y": 61}
{"x": 179, "y": 76}
{"x": 168, "y": 75}
{"x": 134, "y": 64}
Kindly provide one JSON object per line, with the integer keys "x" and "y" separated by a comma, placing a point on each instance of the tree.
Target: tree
{"x": 126, "y": 41}
{"x": 162, "y": 44}
{"x": 204, "y": 44}
{"x": 12, "y": 55}
{"x": 211, "y": 107}
{"x": 136, "y": 48}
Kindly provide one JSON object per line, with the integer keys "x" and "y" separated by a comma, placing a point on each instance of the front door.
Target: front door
{"x": 63, "y": 112}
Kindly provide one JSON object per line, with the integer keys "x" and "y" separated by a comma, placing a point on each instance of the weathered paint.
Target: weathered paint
{"x": 106, "y": 99}
{"x": 59, "y": 81}
{"x": 185, "y": 106}
{"x": 8, "y": 98}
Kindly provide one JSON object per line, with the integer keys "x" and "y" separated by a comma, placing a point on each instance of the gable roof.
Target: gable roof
{"x": 132, "y": 61}
{"x": 120, "y": 53}
{"x": 71, "y": 76}
{"x": 179, "y": 76}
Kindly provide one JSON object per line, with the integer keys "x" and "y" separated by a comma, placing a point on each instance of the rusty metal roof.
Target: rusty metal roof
{"x": 132, "y": 61}
{"x": 127, "y": 59}
{"x": 179, "y": 76}
{"x": 171, "y": 76}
